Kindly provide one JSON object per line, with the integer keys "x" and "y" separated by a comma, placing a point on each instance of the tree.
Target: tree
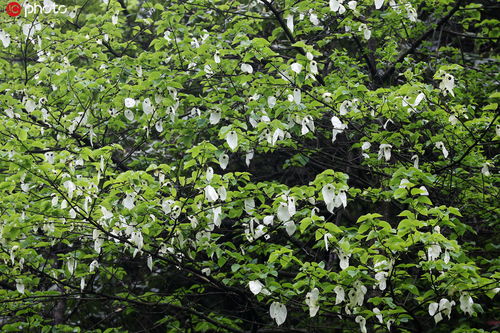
{"x": 250, "y": 166}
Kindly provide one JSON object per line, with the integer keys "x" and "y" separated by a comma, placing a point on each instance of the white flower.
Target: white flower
{"x": 378, "y": 315}
{"x": 149, "y": 262}
{"x": 129, "y": 115}
{"x": 314, "y": 18}
{"x": 307, "y": 125}
{"x": 385, "y": 151}
{"x": 411, "y": 12}
{"x": 93, "y": 265}
{"x": 209, "y": 174}
{"x": 278, "y": 312}
{"x": 271, "y": 101}
{"x": 246, "y": 68}
{"x": 20, "y": 286}
{"x": 366, "y": 32}
{"x": 362, "y": 323}
{"x": 296, "y": 67}
{"x": 255, "y": 287}
{"x": 147, "y": 107}
{"x": 290, "y": 227}
{"x": 466, "y": 303}
{"x": 289, "y": 22}
{"x": 128, "y": 201}
{"x": 268, "y": 220}
{"x": 215, "y": 117}
{"x": 71, "y": 264}
{"x": 433, "y": 252}
{"x": 114, "y": 19}
{"x": 447, "y": 84}
{"x": 344, "y": 259}
{"x": 312, "y": 302}
{"x": 210, "y": 194}
{"x": 338, "y": 127}
{"x": 297, "y": 96}
{"x": 5, "y": 38}
{"x": 232, "y": 139}
{"x": 485, "y": 170}
{"x": 381, "y": 278}
{"x": 313, "y": 67}
{"x": 366, "y": 146}
{"x": 217, "y": 57}
{"x": 70, "y": 187}
{"x": 249, "y": 204}
{"x": 283, "y": 213}
{"x": 129, "y": 102}
{"x": 440, "y": 145}
{"x": 223, "y": 161}
{"x": 340, "y": 294}
{"x": 337, "y": 6}
{"x": 379, "y": 4}
{"x": 352, "y": 5}
{"x": 248, "y": 157}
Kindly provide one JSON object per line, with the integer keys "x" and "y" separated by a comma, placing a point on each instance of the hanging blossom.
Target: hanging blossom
{"x": 466, "y": 303}
{"x": 312, "y": 302}
{"x": 278, "y": 312}
{"x": 338, "y": 127}
{"x": 362, "y": 323}
{"x": 340, "y": 294}
{"x": 367, "y": 33}
{"x": 437, "y": 310}
{"x": 385, "y": 151}
{"x": 357, "y": 294}
{"x": 440, "y": 145}
{"x": 447, "y": 84}
{"x": 307, "y": 125}
{"x": 337, "y": 6}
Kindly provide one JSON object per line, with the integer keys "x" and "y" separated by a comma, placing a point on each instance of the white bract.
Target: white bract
{"x": 385, "y": 151}
{"x": 210, "y": 194}
{"x": 289, "y": 23}
{"x": 232, "y": 139}
{"x": 362, "y": 323}
{"x": 255, "y": 287}
{"x": 147, "y": 107}
{"x": 5, "y": 38}
{"x": 215, "y": 117}
{"x": 296, "y": 67}
{"x": 312, "y": 302}
{"x": 223, "y": 161}
{"x": 466, "y": 303}
{"x": 129, "y": 102}
{"x": 246, "y": 68}
{"x": 447, "y": 84}
{"x": 379, "y": 4}
{"x": 278, "y": 312}
{"x": 340, "y": 294}
{"x": 440, "y": 145}
{"x": 271, "y": 101}
{"x": 338, "y": 127}
{"x": 337, "y": 6}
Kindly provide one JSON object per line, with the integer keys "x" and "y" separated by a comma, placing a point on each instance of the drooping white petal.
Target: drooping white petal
{"x": 210, "y": 194}
{"x": 278, "y": 312}
{"x": 128, "y": 201}
{"x": 232, "y": 139}
{"x": 223, "y": 161}
{"x": 129, "y": 102}
{"x": 246, "y": 68}
{"x": 215, "y": 117}
{"x": 283, "y": 214}
{"x": 255, "y": 287}
{"x": 271, "y": 101}
{"x": 249, "y": 204}
{"x": 289, "y": 22}
{"x": 290, "y": 227}
{"x": 379, "y": 4}
{"x": 312, "y": 301}
{"x": 296, "y": 67}
{"x": 340, "y": 294}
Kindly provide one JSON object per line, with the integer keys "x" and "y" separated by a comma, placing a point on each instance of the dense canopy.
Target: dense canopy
{"x": 249, "y": 166}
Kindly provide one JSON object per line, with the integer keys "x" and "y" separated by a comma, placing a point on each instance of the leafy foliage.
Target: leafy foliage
{"x": 214, "y": 166}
